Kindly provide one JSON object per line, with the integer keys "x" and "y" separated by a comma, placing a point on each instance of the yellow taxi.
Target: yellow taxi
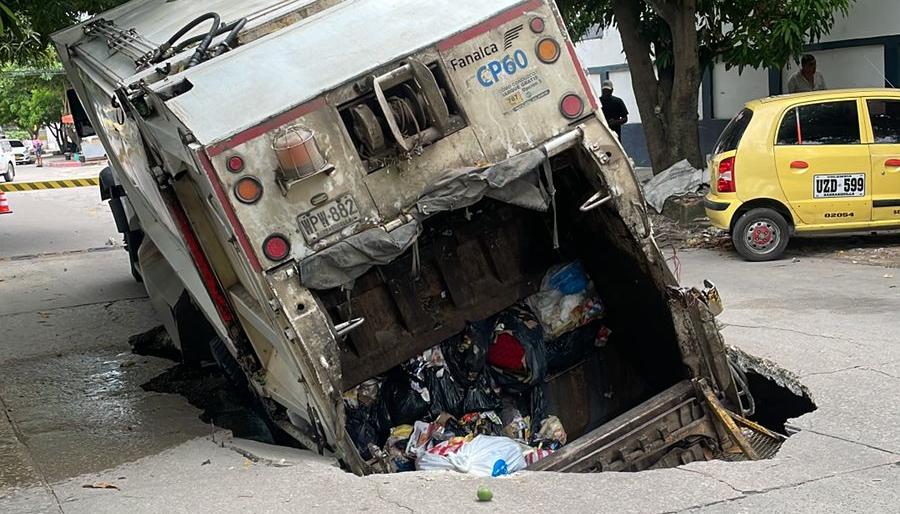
{"x": 825, "y": 161}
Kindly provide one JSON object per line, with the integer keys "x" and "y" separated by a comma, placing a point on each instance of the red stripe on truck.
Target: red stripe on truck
{"x": 490, "y": 24}
{"x": 584, "y": 81}
{"x": 229, "y": 210}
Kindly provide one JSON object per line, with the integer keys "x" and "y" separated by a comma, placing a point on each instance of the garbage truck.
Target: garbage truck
{"x": 317, "y": 193}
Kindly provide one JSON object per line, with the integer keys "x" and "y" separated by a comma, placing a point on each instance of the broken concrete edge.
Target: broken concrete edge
{"x": 769, "y": 369}
{"x": 273, "y": 455}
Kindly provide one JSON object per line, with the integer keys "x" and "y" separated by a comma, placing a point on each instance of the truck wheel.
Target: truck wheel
{"x": 228, "y": 364}
{"x": 10, "y": 172}
{"x": 760, "y": 235}
{"x": 133, "y": 239}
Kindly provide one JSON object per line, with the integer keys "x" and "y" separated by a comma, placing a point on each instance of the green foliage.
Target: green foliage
{"x": 34, "y": 20}
{"x": 740, "y": 33}
{"x": 31, "y": 97}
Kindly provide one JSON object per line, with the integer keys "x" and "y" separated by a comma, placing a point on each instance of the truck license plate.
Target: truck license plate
{"x": 836, "y": 186}
{"x": 328, "y": 218}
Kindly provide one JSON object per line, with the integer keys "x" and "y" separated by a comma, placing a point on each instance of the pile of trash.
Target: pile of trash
{"x": 476, "y": 402}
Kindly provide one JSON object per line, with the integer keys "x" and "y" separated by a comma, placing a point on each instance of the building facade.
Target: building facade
{"x": 862, "y": 50}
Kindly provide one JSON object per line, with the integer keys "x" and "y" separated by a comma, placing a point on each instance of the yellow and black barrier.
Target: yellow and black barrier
{"x": 14, "y": 187}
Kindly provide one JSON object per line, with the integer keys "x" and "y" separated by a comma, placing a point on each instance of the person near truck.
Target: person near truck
{"x": 807, "y": 79}
{"x": 613, "y": 107}
{"x": 38, "y": 148}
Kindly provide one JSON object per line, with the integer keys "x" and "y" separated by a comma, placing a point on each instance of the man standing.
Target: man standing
{"x": 613, "y": 107}
{"x": 807, "y": 79}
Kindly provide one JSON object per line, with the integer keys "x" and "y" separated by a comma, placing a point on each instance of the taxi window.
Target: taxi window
{"x": 733, "y": 132}
{"x": 828, "y": 123}
{"x": 885, "y": 118}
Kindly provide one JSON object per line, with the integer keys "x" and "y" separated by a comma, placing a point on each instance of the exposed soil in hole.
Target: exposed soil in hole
{"x": 777, "y": 392}
{"x": 775, "y": 404}
{"x": 204, "y": 386}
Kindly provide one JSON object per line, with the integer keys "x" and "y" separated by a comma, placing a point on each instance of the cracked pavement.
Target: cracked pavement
{"x": 833, "y": 324}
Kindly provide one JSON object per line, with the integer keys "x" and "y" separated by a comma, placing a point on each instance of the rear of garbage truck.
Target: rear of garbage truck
{"x": 408, "y": 228}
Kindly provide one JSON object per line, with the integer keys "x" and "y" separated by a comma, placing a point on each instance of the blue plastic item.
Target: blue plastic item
{"x": 570, "y": 279}
{"x": 500, "y": 468}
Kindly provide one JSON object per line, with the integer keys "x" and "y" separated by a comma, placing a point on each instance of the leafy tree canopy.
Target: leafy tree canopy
{"x": 740, "y": 33}
{"x": 26, "y": 25}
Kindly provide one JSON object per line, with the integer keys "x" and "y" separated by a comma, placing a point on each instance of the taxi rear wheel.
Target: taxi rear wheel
{"x": 760, "y": 235}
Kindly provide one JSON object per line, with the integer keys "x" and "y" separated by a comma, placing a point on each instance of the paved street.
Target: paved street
{"x": 77, "y": 414}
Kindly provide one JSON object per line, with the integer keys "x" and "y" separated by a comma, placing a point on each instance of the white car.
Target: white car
{"x": 24, "y": 153}
{"x": 7, "y": 160}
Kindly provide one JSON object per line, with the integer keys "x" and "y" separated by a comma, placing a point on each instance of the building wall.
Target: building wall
{"x": 862, "y": 50}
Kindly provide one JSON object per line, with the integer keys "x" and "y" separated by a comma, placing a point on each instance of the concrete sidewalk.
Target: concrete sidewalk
{"x": 834, "y": 324}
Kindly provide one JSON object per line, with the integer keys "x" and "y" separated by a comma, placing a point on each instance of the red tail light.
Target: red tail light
{"x": 725, "y": 184}
{"x": 276, "y": 247}
{"x": 571, "y": 106}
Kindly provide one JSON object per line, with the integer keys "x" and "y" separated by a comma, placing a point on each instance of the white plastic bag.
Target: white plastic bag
{"x": 483, "y": 456}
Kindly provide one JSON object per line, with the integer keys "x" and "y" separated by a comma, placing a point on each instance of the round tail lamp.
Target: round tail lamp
{"x": 547, "y": 50}
{"x": 248, "y": 190}
{"x": 276, "y": 247}
{"x": 571, "y": 106}
{"x": 537, "y": 25}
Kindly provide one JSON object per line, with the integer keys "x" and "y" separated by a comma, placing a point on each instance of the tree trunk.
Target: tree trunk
{"x": 667, "y": 98}
{"x": 56, "y": 130}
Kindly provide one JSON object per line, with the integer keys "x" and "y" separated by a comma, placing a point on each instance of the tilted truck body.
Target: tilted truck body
{"x": 336, "y": 186}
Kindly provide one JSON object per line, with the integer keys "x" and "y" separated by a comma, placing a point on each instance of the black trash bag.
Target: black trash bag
{"x": 537, "y": 406}
{"x": 449, "y": 396}
{"x": 405, "y": 405}
{"x": 570, "y": 348}
{"x": 446, "y": 395}
{"x": 367, "y": 424}
{"x": 466, "y": 352}
{"x": 517, "y": 324}
{"x": 481, "y": 396}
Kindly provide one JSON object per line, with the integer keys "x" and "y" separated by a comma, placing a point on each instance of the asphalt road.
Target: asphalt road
{"x": 76, "y": 413}
{"x": 56, "y": 220}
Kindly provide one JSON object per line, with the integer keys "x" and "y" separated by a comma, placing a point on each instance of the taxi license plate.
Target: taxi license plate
{"x": 839, "y": 185}
{"x": 328, "y": 218}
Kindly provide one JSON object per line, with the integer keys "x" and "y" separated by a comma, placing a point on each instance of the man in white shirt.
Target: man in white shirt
{"x": 807, "y": 79}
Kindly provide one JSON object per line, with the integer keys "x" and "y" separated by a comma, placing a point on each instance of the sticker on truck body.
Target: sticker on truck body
{"x": 525, "y": 90}
{"x": 839, "y": 186}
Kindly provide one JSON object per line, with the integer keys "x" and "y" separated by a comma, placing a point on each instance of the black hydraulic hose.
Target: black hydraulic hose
{"x": 204, "y": 45}
{"x": 161, "y": 51}
{"x": 194, "y": 39}
{"x": 231, "y": 37}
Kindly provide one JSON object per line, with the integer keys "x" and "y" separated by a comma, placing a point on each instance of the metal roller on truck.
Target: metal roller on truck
{"x": 321, "y": 190}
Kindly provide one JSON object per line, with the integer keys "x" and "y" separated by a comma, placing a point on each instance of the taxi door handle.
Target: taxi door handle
{"x": 799, "y": 165}
{"x": 892, "y": 163}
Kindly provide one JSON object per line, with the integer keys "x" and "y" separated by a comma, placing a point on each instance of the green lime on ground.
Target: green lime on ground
{"x": 484, "y": 494}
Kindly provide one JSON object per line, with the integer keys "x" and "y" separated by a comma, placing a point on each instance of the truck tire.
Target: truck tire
{"x": 228, "y": 364}
{"x": 10, "y": 172}
{"x": 760, "y": 234}
{"x": 133, "y": 239}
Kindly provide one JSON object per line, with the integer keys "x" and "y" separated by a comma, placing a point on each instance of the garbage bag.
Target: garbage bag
{"x": 567, "y": 300}
{"x": 570, "y": 348}
{"x": 367, "y": 424}
{"x": 406, "y": 397}
{"x": 448, "y": 395}
{"x": 466, "y": 352}
{"x": 483, "y": 456}
{"x": 551, "y": 435}
{"x": 568, "y": 279}
{"x": 517, "y": 355}
{"x": 481, "y": 396}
